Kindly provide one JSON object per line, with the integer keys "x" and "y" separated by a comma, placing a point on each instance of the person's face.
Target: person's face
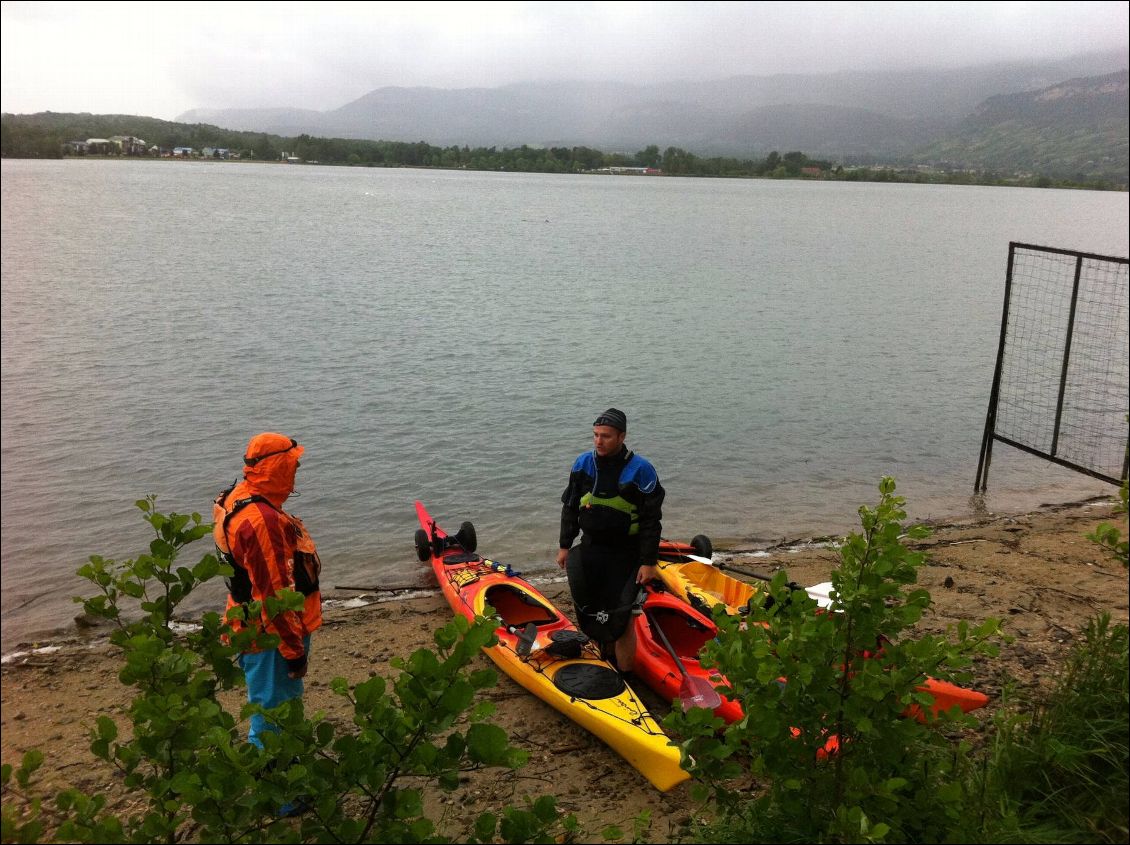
{"x": 607, "y": 440}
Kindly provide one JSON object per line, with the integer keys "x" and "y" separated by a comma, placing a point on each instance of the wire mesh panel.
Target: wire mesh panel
{"x": 1061, "y": 389}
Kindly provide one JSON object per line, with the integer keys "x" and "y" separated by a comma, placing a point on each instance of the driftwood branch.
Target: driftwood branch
{"x": 395, "y": 589}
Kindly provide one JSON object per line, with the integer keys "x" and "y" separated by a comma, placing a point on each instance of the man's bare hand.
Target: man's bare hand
{"x": 646, "y": 573}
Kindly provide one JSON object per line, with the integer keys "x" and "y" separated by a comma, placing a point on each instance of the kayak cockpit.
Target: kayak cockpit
{"x": 686, "y": 635}
{"x": 517, "y": 608}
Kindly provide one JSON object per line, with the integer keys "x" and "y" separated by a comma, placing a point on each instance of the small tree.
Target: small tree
{"x": 185, "y": 754}
{"x": 825, "y": 694}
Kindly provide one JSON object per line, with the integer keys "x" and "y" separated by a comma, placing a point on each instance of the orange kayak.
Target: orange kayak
{"x": 687, "y": 631}
{"x": 704, "y": 585}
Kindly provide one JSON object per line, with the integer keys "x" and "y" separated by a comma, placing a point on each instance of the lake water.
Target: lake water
{"x": 778, "y": 346}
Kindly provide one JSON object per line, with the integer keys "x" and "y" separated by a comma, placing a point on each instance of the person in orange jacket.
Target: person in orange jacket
{"x": 269, "y": 550}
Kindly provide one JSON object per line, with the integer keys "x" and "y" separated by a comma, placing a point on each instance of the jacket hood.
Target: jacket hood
{"x": 269, "y": 464}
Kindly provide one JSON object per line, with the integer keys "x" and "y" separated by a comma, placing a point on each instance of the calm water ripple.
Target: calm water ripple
{"x": 778, "y": 346}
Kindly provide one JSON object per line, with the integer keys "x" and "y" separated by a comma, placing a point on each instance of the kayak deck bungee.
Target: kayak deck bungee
{"x": 703, "y": 586}
{"x": 544, "y": 652}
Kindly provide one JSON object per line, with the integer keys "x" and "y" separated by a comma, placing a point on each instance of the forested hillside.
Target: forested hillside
{"x": 1076, "y": 129}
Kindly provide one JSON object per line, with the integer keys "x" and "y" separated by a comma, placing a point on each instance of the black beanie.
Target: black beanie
{"x": 613, "y": 417}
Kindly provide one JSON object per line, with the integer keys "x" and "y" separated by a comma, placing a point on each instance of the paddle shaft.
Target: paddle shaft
{"x": 671, "y": 651}
{"x": 792, "y": 585}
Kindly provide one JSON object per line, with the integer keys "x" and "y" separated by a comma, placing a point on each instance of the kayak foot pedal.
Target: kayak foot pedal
{"x": 526, "y": 637}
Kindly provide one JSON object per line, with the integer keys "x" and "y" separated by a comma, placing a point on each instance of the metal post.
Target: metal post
{"x": 1066, "y": 355}
{"x": 986, "y": 458}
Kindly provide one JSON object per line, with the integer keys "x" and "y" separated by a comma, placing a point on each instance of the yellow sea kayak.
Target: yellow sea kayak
{"x": 702, "y": 585}
{"x": 541, "y": 649}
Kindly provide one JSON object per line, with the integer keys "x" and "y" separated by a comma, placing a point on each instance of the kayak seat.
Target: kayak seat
{"x": 466, "y": 557}
{"x": 517, "y": 607}
{"x": 698, "y": 602}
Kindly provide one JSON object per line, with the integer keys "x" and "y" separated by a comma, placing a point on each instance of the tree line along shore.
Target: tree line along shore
{"x": 54, "y": 136}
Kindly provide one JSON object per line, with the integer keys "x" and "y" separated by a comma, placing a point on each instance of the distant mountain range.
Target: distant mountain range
{"x": 1074, "y": 128}
{"x": 895, "y": 116}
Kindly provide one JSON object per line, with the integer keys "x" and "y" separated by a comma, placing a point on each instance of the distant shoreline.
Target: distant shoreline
{"x": 875, "y": 174}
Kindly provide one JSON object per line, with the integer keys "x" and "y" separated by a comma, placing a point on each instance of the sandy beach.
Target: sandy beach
{"x": 1036, "y": 571}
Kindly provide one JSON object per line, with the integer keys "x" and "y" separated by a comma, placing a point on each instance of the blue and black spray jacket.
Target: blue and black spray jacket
{"x": 615, "y": 501}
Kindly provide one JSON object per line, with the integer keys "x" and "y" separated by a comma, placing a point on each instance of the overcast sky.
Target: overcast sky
{"x": 162, "y": 58}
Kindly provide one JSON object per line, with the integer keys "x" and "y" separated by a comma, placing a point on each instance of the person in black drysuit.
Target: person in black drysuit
{"x": 614, "y": 499}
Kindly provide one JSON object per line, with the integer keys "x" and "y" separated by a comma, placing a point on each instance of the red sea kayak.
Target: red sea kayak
{"x": 688, "y": 573}
{"x": 687, "y": 631}
{"x": 541, "y": 649}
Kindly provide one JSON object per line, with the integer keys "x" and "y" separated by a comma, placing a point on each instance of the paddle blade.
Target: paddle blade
{"x": 820, "y": 593}
{"x": 698, "y": 692}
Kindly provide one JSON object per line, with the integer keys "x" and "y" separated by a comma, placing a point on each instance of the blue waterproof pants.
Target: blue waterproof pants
{"x": 269, "y": 685}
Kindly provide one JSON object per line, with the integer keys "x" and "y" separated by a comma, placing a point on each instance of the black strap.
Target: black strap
{"x": 239, "y": 505}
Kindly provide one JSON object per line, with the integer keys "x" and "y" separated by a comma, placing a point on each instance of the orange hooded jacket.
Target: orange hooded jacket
{"x": 269, "y": 549}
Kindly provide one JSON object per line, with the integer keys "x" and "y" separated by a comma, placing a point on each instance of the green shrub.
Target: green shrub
{"x": 805, "y": 678}
{"x": 1110, "y": 537}
{"x": 185, "y": 755}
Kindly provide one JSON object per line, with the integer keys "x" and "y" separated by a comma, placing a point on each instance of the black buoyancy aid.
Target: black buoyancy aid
{"x": 307, "y": 564}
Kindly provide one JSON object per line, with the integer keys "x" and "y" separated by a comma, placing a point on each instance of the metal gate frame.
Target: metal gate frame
{"x": 991, "y": 435}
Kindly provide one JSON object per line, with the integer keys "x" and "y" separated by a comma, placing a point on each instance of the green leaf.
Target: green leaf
{"x": 545, "y": 808}
{"x": 107, "y": 729}
{"x": 487, "y": 744}
{"x": 485, "y": 825}
{"x": 408, "y": 804}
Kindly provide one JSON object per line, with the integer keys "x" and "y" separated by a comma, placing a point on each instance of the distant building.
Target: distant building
{"x": 98, "y": 146}
{"x": 216, "y": 152}
{"x": 630, "y": 171}
{"x": 78, "y": 148}
{"x": 128, "y": 145}
{"x": 182, "y": 152}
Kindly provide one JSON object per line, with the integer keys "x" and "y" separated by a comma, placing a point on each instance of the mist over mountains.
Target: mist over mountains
{"x": 866, "y": 116}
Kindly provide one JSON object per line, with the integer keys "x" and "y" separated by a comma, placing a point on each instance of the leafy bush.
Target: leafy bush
{"x": 824, "y": 696}
{"x": 1110, "y": 537}
{"x": 200, "y": 778}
